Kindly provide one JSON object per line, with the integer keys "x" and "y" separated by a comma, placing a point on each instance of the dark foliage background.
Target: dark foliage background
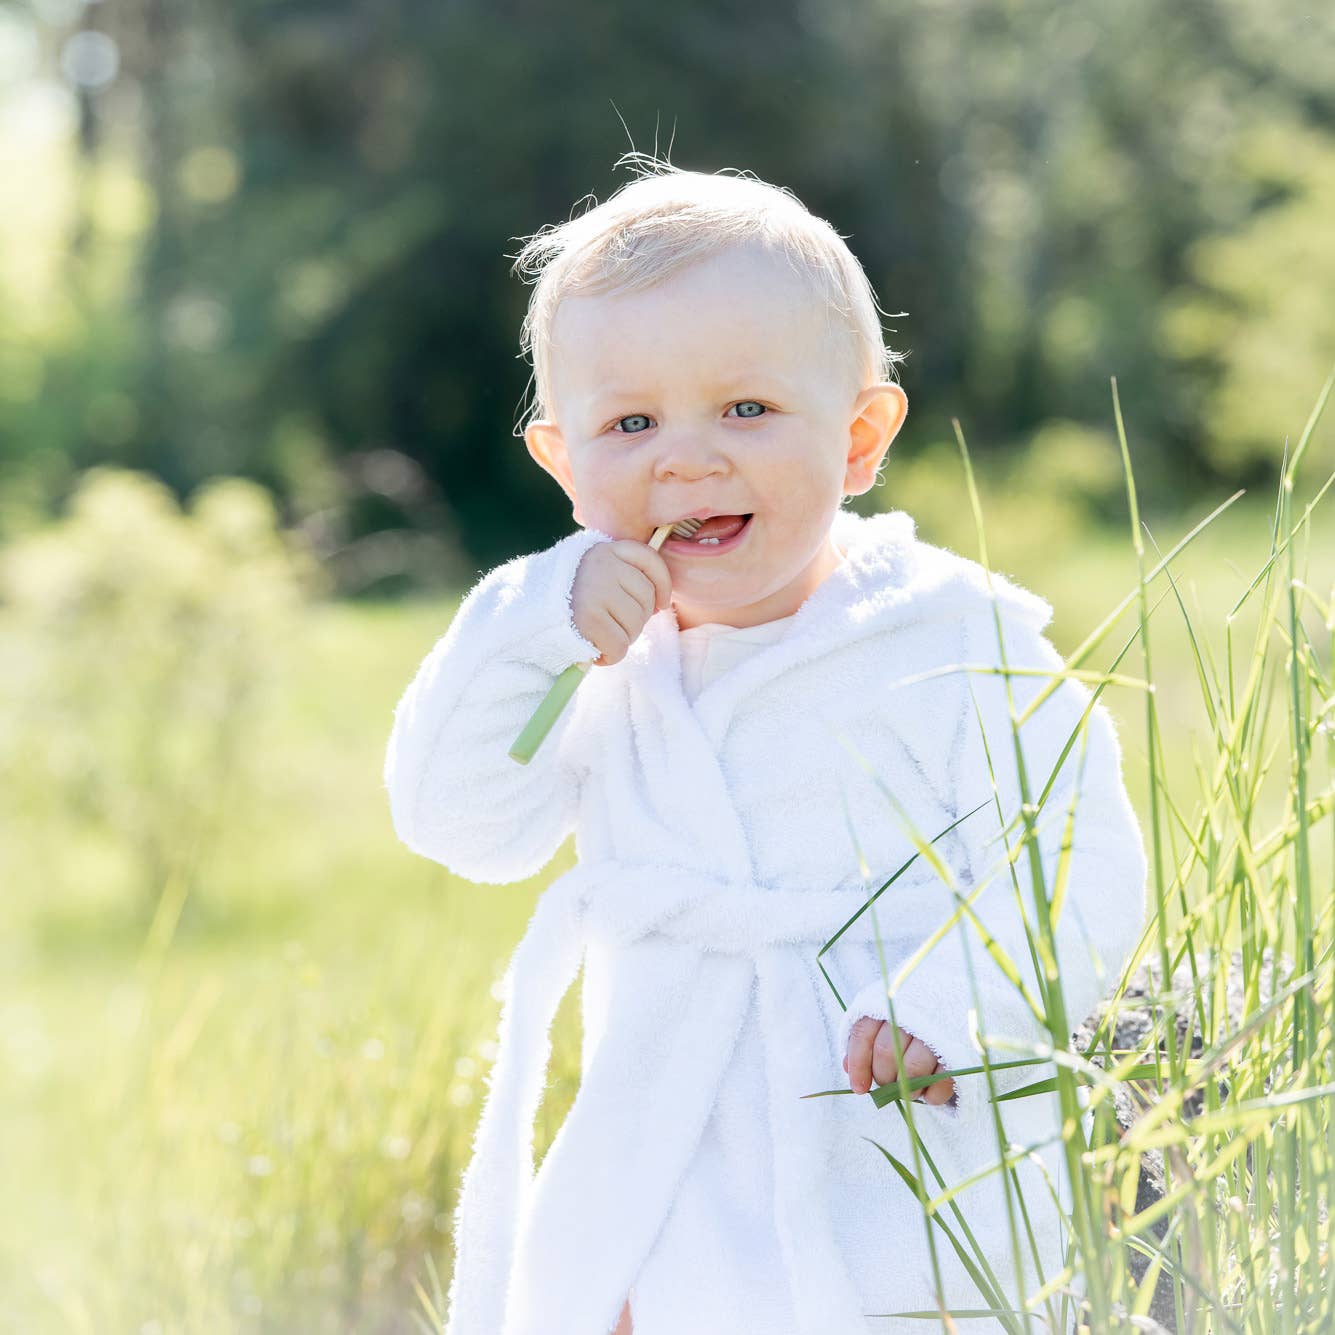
{"x": 282, "y": 251}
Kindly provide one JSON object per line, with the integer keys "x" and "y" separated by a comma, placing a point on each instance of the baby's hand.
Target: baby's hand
{"x": 619, "y": 585}
{"x": 871, "y": 1054}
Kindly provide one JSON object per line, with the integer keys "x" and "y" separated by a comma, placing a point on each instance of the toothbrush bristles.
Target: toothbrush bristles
{"x": 683, "y": 528}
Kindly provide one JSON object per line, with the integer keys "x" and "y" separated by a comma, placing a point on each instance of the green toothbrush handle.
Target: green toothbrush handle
{"x": 556, "y": 699}
{"x": 546, "y": 714}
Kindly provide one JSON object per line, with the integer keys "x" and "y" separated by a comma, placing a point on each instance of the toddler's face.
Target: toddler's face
{"x": 719, "y": 389}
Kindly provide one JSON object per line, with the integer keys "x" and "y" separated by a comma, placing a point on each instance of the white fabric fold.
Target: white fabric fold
{"x": 745, "y": 933}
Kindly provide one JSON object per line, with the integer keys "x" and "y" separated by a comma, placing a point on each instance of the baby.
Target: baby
{"x": 779, "y": 464}
{"x": 705, "y": 348}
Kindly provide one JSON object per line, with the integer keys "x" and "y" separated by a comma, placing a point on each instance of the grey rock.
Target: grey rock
{"x": 1145, "y": 1005}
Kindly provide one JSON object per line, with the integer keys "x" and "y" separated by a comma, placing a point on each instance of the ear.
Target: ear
{"x": 878, "y": 413}
{"x": 548, "y": 446}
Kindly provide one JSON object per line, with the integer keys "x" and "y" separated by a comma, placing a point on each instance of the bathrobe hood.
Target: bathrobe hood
{"x": 719, "y": 848}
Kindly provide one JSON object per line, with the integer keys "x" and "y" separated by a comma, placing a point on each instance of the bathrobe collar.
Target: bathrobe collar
{"x": 889, "y": 577}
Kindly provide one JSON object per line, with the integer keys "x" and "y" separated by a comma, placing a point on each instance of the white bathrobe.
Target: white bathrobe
{"x": 719, "y": 848}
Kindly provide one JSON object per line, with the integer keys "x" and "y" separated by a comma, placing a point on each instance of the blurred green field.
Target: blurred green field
{"x": 251, "y": 1113}
{"x": 244, "y": 1033}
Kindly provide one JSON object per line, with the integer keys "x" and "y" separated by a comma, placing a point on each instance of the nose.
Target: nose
{"x": 688, "y": 455}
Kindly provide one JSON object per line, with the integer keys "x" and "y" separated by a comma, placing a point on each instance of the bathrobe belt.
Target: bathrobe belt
{"x": 509, "y": 1226}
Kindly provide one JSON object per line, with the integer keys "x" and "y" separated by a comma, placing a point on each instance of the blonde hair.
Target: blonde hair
{"x": 668, "y": 218}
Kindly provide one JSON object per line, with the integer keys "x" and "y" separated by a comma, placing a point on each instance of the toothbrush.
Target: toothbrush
{"x": 556, "y": 699}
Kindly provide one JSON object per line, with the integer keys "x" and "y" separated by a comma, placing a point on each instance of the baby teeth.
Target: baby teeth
{"x": 700, "y": 542}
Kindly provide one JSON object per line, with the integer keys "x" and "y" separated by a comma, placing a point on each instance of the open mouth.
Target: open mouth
{"x": 724, "y": 538}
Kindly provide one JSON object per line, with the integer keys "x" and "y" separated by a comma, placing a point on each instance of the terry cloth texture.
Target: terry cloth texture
{"x": 719, "y": 846}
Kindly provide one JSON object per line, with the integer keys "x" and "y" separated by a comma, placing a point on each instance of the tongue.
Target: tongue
{"x": 720, "y": 526}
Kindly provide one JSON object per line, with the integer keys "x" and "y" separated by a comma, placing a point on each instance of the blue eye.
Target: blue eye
{"x": 642, "y": 416}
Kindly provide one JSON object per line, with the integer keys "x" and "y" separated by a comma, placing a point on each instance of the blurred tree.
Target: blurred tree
{"x": 1258, "y": 321}
{"x": 140, "y": 642}
{"x": 335, "y": 189}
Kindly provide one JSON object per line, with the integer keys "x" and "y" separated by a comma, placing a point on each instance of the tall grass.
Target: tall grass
{"x": 1248, "y": 1172}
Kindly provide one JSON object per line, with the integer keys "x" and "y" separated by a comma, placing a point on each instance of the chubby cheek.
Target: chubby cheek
{"x": 611, "y": 506}
{"x": 792, "y": 510}
{"x": 615, "y": 523}
{"x": 796, "y": 484}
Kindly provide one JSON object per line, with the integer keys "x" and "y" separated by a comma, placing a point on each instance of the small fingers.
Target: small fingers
{"x": 858, "y": 1061}
{"x": 655, "y": 569}
{"x": 626, "y": 609}
{"x": 939, "y": 1092}
{"x": 639, "y": 586}
{"x": 608, "y": 628}
{"x": 920, "y": 1060}
{"x": 884, "y": 1062}
{"x": 871, "y": 1058}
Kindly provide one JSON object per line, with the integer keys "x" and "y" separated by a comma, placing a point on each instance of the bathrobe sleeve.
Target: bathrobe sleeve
{"x": 1102, "y": 913}
{"x": 455, "y": 794}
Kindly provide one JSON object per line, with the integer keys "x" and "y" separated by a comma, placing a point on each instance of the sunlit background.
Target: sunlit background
{"x": 259, "y": 386}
